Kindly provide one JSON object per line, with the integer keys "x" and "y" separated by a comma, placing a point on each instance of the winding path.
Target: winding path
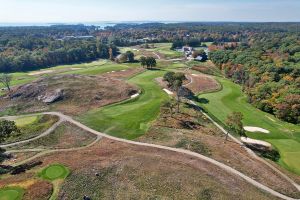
{"x": 182, "y": 151}
{"x": 47, "y": 132}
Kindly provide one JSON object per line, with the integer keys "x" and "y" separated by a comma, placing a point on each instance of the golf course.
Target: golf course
{"x": 130, "y": 119}
{"x": 285, "y": 137}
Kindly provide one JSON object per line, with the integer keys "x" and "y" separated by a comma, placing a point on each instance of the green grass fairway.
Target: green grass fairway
{"x": 130, "y": 119}
{"x": 284, "y": 136}
{"x": 165, "y": 49}
{"x": 24, "y": 121}
{"x": 54, "y": 172}
{"x": 11, "y": 193}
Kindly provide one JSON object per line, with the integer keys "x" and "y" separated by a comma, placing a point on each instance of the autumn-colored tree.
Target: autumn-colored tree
{"x": 234, "y": 122}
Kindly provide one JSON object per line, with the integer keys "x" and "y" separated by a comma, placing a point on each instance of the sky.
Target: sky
{"x": 44, "y": 11}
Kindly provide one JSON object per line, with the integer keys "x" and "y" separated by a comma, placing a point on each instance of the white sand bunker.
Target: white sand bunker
{"x": 40, "y": 72}
{"x": 252, "y": 141}
{"x": 168, "y": 92}
{"x": 135, "y": 95}
{"x": 255, "y": 129}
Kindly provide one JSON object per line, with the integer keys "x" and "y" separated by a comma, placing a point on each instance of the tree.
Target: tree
{"x": 130, "y": 56}
{"x": 175, "y": 81}
{"x": 5, "y": 79}
{"x": 6, "y": 129}
{"x": 170, "y": 105}
{"x": 111, "y": 54}
{"x": 143, "y": 61}
{"x": 150, "y": 62}
{"x": 169, "y": 77}
{"x": 234, "y": 122}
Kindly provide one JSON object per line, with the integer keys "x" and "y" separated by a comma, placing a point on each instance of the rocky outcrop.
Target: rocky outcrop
{"x": 52, "y": 97}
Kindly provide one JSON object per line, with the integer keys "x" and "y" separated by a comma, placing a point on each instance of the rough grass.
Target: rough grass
{"x": 64, "y": 136}
{"x": 231, "y": 98}
{"x": 11, "y": 193}
{"x": 130, "y": 119}
{"x": 32, "y": 129}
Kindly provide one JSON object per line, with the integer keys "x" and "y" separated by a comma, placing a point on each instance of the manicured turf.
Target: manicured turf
{"x": 284, "y": 136}
{"x": 11, "y": 193}
{"x": 54, "y": 172}
{"x": 24, "y": 121}
{"x": 130, "y": 119}
{"x": 164, "y": 48}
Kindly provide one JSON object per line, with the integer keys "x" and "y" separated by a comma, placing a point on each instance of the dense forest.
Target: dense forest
{"x": 30, "y": 48}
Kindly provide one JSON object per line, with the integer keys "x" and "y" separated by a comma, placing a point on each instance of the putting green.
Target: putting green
{"x": 284, "y": 136}
{"x": 11, "y": 193}
{"x": 54, "y": 172}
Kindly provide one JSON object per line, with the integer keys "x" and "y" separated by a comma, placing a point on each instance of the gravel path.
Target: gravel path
{"x": 202, "y": 157}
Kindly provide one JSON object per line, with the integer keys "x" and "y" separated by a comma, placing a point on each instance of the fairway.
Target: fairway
{"x": 11, "y": 193}
{"x": 54, "y": 172}
{"x": 130, "y": 119}
{"x": 284, "y": 136}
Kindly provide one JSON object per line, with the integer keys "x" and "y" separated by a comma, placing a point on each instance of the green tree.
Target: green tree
{"x": 150, "y": 62}
{"x": 6, "y": 129}
{"x": 143, "y": 61}
{"x": 234, "y": 122}
{"x": 130, "y": 56}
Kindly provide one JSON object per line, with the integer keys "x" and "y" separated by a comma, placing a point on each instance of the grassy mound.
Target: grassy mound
{"x": 11, "y": 193}
{"x": 54, "y": 172}
{"x": 31, "y": 127}
{"x": 284, "y": 136}
{"x": 21, "y": 122}
{"x": 130, "y": 119}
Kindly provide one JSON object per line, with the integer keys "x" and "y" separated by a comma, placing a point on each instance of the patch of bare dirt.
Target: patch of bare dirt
{"x": 71, "y": 94}
{"x": 200, "y": 83}
{"x": 114, "y": 170}
{"x": 208, "y": 140}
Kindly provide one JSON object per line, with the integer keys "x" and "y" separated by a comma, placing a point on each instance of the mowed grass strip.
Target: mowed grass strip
{"x": 284, "y": 136}
{"x": 130, "y": 119}
{"x": 54, "y": 172}
{"x": 11, "y": 193}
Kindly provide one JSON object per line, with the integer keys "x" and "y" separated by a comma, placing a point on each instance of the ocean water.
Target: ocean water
{"x": 99, "y": 24}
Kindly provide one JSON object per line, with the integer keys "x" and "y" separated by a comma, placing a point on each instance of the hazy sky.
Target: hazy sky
{"x": 153, "y": 10}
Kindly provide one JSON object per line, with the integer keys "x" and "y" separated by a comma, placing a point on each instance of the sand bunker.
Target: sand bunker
{"x": 252, "y": 141}
{"x": 40, "y": 72}
{"x": 135, "y": 95}
{"x": 255, "y": 129}
{"x": 168, "y": 92}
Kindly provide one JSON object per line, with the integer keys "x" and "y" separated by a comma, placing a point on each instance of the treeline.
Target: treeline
{"x": 24, "y": 49}
{"x": 50, "y": 53}
{"x": 268, "y": 68}
{"x": 130, "y": 34}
